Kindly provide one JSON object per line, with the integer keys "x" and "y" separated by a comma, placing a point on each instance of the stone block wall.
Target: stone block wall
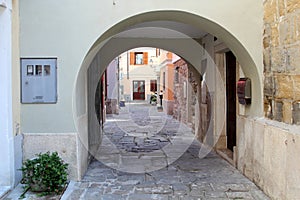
{"x": 282, "y": 60}
{"x": 181, "y": 76}
{"x": 187, "y": 107}
{"x": 268, "y": 154}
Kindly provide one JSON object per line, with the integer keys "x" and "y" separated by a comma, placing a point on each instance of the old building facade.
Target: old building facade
{"x": 138, "y": 79}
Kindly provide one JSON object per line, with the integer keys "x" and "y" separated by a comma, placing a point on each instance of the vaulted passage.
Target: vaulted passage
{"x": 146, "y": 154}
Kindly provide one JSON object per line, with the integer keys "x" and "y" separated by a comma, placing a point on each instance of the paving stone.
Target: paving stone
{"x": 111, "y": 197}
{"x": 215, "y": 194}
{"x": 239, "y": 195}
{"x": 152, "y": 190}
{"x": 180, "y": 189}
{"x": 140, "y": 196}
{"x": 92, "y": 193}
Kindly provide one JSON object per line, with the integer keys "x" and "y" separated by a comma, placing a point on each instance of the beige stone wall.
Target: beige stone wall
{"x": 69, "y": 147}
{"x": 282, "y": 59}
{"x": 268, "y": 154}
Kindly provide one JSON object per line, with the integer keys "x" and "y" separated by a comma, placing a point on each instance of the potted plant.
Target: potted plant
{"x": 46, "y": 174}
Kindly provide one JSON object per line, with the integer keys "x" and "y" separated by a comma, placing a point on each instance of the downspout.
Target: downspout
{"x": 128, "y": 60}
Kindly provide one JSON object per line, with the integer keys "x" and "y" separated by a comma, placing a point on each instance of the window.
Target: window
{"x": 138, "y": 58}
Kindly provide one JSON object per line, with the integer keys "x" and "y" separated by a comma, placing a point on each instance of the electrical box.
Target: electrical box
{"x": 38, "y": 80}
{"x": 244, "y": 91}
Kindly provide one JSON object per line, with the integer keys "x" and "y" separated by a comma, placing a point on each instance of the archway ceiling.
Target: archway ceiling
{"x": 153, "y": 29}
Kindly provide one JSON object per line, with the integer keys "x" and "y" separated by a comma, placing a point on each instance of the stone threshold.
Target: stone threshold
{"x": 227, "y": 155}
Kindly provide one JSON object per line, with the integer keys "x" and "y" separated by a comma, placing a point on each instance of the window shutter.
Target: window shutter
{"x": 132, "y": 58}
{"x": 145, "y": 58}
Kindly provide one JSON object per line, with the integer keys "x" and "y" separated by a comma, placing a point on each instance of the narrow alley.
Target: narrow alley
{"x": 146, "y": 154}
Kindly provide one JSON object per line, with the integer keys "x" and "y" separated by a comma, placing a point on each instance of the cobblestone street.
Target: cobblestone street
{"x": 148, "y": 155}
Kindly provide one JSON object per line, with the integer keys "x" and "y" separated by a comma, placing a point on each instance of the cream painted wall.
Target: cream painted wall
{"x": 59, "y": 29}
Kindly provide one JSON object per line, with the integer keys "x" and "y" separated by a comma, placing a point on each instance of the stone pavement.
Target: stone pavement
{"x": 146, "y": 154}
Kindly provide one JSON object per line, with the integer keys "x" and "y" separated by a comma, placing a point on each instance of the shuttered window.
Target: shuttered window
{"x": 138, "y": 58}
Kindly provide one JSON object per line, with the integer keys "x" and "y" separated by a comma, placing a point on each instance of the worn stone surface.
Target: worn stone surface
{"x": 284, "y": 87}
{"x": 184, "y": 177}
{"x": 292, "y": 172}
{"x": 287, "y": 112}
{"x": 273, "y": 162}
{"x": 281, "y": 54}
{"x": 188, "y": 177}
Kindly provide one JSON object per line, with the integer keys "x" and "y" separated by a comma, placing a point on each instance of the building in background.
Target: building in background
{"x": 138, "y": 78}
{"x": 166, "y": 79}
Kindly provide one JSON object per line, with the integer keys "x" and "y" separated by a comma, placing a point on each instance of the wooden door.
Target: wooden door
{"x": 138, "y": 90}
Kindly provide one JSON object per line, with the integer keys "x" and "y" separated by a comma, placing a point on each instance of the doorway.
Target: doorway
{"x": 230, "y": 99}
{"x": 138, "y": 90}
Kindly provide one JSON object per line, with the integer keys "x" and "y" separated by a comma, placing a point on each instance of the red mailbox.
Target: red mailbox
{"x": 244, "y": 91}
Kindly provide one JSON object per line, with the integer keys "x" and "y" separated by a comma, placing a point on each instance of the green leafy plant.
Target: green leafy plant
{"x": 47, "y": 174}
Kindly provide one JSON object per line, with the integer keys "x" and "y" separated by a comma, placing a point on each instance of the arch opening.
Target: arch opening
{"x": 117, "y": 39}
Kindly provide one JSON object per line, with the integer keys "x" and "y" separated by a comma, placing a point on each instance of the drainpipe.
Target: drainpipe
{"x": 128, "y": 60}
{"x": 118, "y": 80}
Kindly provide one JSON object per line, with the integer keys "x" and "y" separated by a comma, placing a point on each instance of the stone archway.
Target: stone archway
{"x": 107, "y": 47}
{"x": 76, "y": 32}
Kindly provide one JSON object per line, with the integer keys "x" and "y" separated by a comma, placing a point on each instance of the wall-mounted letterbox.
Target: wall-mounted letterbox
{"x": 244, "y": 91}
{"x": 38, "y": 80}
